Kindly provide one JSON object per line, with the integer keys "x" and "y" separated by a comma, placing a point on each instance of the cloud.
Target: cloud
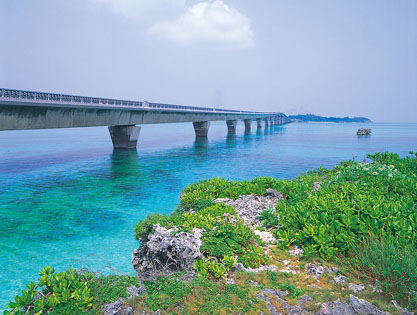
{"x": 143, "y": 9}
{"x": 208, "y": 22}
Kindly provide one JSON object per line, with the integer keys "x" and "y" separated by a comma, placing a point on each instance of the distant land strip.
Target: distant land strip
{"x": 311, "y": 117}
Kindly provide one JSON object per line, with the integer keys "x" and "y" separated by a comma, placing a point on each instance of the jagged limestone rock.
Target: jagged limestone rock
{"x": 166, "y": 252}
{"x": 114, "y": 308}
{"x": 249, "y": 207}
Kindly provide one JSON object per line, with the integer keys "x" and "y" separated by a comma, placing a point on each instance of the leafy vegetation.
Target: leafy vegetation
{"x": 60, "y": 292}
{"x": 354, "y": 201}
{"x": 69, "y": 292}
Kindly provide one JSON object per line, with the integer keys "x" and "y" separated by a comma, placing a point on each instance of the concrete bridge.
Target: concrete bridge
{"x": 38, "y": 110}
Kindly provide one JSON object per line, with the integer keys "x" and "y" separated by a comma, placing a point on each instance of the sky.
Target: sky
{"x": 326, "y": 57}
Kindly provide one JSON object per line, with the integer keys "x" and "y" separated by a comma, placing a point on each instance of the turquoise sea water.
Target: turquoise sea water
{"x": 66, "y": 199}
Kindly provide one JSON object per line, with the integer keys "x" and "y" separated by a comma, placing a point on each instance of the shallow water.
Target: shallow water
{"x": 66, "y": 199}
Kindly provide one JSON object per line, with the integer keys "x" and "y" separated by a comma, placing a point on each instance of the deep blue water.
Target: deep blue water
{"x": 66, "y": 199}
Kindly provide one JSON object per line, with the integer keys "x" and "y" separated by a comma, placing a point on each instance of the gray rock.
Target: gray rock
{"x": 403, "y": 311}
{"x": 230, "y": 281}
{"x": 357, "y": 288}
{"x": 296, "y": 252}
{"x": 340, "y": 279}
{"x": 315, "y": 270}
{"x": 164, "y": 253}
{"x": 363, "y": 132}
{"x": 273, "y": 193}
{"x": 278, "y": 295}
{"x": 303, "y": 301}
{"x": 265, "y": 236}
{"x": 254, "y": 283}
{"x": 364, "y": 307}
{"x": 249, "y": 207}
{"x": 239, "y": 267}
{"x": 113, "y": 308}
{"x": 337, "y": 308}
{"x": 331, "y": 269}
{"x": 129, "y": 311}
{"x": 133, "y": 291}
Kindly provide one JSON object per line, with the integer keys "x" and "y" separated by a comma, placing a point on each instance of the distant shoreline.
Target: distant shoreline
{"x": 315, "y": 118}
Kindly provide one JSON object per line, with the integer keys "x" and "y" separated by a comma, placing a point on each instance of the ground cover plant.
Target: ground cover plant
{"x": 361, "y": 217}
{"x": 69, "y": 292}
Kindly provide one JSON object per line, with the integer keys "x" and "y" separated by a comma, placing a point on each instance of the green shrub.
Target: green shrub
{"x": 62, "y": 292}
{"x": 385, "y": 260}
{"x": 231, "y": 237}
{"x": 203, "y": 203}
{"x": 253, "y": 256}
{"x": 218, "y": 270}
{"x": 69, "y": 292}
{"x": 354, "y": 199}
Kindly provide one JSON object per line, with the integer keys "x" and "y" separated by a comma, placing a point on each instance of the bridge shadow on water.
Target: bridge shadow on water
{"x": 138, "y": 164}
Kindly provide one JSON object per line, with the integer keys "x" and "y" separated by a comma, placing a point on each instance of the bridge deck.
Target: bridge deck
{"x": 20, "y": 97}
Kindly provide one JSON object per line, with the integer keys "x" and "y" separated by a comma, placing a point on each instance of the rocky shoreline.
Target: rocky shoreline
{"x": 167, "y": 251}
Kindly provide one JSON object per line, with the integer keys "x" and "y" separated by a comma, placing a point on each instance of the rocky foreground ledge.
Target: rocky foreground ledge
{"x": 167, "y": 251}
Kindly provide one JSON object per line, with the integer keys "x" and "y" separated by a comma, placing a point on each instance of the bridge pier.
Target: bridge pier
{"x": 124, "y": 137}
{"x": 266, "y": 122}
{"x": 248, "y": 123}
{"x": 231, "y": 126}
{"x": 259, "y": 123}
{"x": 201, "y": 128}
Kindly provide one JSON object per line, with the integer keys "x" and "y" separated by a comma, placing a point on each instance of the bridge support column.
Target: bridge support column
{"x": 259, "y": 123}
{"x": 201, "y": 128}
{"x": 266, "y": 122}
{"x": 276, "y": 120}
{"x": 231, "y": 126}
{"x": 248, "y": 123}
{"x": 124, "y": 137}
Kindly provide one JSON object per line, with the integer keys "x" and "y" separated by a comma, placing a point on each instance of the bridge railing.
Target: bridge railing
{"x": 42, "y": 97}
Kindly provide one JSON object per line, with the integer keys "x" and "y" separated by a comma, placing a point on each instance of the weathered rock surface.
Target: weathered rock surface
{"x": 364, "y": 307}
{"x": 239, "y": 267}
{"x": 114, "y": 308}
{"x": 403, "y": 311}
{"x": 268, "y": 294}
{"x": 265, "y": 236}
{"x": 355, "y": 306}
{"x": 133, "y": 291}
{"x": 297, "y": 252}
{"x": 357, "y": 288}
{"x": 315, "y": 270}
{"x": 249, "y": 207}
{"x": 164, "y": 253}
{"x": 340, "y": 279}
